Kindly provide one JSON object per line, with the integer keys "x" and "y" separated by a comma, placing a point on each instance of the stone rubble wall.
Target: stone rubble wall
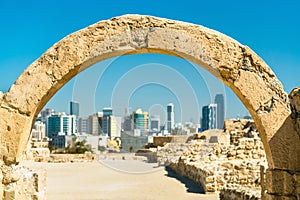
{"x": 65, "y": 158}
{"x": 37, "y": 154}
{"x": 18, "y": 182}
{"x": 170, "y": 153}
{"x": 159, "y": 141}
{"x": 236, "y": 65}
{"x": 216, "y": 166}
{"x": 240, "y": 194}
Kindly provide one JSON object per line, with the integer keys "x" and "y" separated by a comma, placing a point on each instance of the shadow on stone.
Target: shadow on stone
{"x": 191, "y": 186}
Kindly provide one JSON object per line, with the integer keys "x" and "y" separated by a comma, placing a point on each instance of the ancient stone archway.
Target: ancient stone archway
{"x": 233, "y": 63}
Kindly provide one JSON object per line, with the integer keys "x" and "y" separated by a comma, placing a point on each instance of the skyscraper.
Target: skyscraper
{"x": 139, "y": 121}
{"x": 45, "y": 114}
{"x": 115, "y": 127}
{"x": 107, "y": 112}
{"x": 93, "y": 125}
{"x": 74, "y": 108}
{"x": 83, "y": 125}
{"x": 38, "y": 131}
{"x": 61, "y": 124}
{"x": 155, "y": 122}
{"x": 170, "y": 117}
{"x": 209, "y": 117}
{"x": 219, "y": 100}
{"x": 127, "y": 123}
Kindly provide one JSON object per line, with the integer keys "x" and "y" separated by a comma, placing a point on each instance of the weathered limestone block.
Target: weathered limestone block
{"x": 42, "y": 83}
{"x": 234, "y": 64}
{"x": 239, "y": 194}
{"x": 26, "y": 185}
{"x": 284, "y": 144}
{"x": 40, "y": 180}
{"x": 295, "y": 105}
{"x": 296, "y": 179}
{"x": 1, "y": 185}
{"x": 201, "y": 156}
{"x": 278, "y": 197}
{"x": 279, "y": 182}
{"x": 13, "y": 140}
{"x": 210, "y": 187}
{"x": 258, "y": 92}
{"x": 38, "y": 154}
{"x": 295, "y": 99}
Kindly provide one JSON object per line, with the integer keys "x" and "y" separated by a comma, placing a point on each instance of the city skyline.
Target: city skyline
{"x": 167, "y": 120}
{"x": 270, "y": 31}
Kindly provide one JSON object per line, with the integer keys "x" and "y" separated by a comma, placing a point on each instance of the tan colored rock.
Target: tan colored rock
{"x": 295, "y": 99}
{"x": 279, "y": 182}
{"x": 278, "y": 197}
{"x": 234, "y": 64}
{"x": 27, "y": 185}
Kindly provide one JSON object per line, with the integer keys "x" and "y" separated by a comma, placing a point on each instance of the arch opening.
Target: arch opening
{"x": 236, "y": 65}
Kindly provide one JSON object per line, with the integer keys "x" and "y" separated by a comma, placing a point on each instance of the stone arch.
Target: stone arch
{"x": 234, "y": 64}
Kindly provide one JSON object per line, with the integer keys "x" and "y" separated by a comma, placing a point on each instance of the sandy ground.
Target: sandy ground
{"x": 117, "y": 179}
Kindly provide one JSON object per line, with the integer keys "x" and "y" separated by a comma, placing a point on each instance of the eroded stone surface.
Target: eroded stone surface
{"x": 219, "y": 164}
{"x": 236, "y": 65}
{"x": 233, "y": 63}
{"x": 19, "y": 182}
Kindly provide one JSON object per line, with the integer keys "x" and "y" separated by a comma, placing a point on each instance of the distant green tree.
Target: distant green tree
{"x": 131, "y": 149}
{"x": 51, "y": 148}
{"x": 101, "y": 148}
{"x": 78, "y": 148}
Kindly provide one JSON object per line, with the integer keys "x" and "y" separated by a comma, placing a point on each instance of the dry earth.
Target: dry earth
{"x": 116, "y": 179}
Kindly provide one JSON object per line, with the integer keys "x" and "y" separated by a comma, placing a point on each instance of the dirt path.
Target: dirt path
{"x": 117, "y": 180}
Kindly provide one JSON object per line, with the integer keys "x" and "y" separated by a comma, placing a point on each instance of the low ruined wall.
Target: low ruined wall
{"x": 159, "y": 141}
{"x": 37, "y": 154}
{"x": 63, "y": 158}
{"x": 170, "y": 153}
{"x": 240, "y": 194}
{"x": 219, "y": 168}
{"x": 18, "y": 182}
{"x": 216, "y": 166}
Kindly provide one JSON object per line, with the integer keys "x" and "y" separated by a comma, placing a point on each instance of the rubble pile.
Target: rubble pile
{"x": 230, "y": 163}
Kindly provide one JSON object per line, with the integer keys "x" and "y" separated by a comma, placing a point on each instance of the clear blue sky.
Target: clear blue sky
{"x": 29, "y": 28}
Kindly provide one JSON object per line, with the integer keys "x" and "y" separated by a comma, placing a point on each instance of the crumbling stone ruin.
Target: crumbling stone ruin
{"x": 232, "y": 162}
{"x": 236, "y": 65}
{"x": 18, "y": 182}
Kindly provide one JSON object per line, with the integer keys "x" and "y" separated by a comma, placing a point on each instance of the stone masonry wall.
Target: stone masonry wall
{"x": 236, "y": 65}
{"x": 19, "y": 182}
{"x": 239, "y": 194}
{"x": 217, "y": 166}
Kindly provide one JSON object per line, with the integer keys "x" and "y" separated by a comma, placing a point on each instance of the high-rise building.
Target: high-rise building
{"x": 127, "y": 123}
{"x": 38, "y": 131}
{"x": 61, "y": 124}
{"x": 114, "y": 127}
{"x": 140, "y": 120}
{"x": 146, "y": 121}
{"x": 74, "y": 108}
{"x": 209, "y": 117}
{"x": 83, "y": 125}
{"x": 45, "y": 114}
{"x": 170, "y": 117}
{"x": 219, "y": 100}
{"x": 155, "y": 122}
{"x": 94, "y": 124}
{"x": 107, "y": 112}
